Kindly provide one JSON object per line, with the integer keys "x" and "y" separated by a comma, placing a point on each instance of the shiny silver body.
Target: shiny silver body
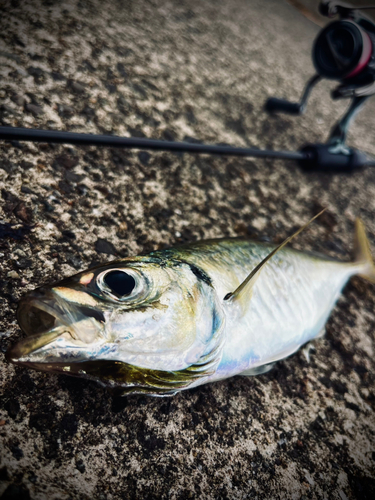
{"x": 176, "y": 329}
{"x": 290, "y": 303}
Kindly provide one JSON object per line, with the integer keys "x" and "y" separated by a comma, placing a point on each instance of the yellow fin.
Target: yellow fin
{"x": 246, "y": 286}
{"x": 362, "y": 252}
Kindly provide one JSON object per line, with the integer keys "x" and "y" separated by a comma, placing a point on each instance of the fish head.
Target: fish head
{"x": 145, "y": 324}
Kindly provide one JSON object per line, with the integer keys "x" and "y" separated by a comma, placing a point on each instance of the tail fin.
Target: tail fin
{"x": 362, "y": 252}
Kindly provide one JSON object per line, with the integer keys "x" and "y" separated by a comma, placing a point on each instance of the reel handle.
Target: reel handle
{"x": 273, "y": 104}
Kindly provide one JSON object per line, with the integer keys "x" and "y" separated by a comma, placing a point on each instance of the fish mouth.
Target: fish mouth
{"x": 42, "y": 323}
{"x": 44, "y": 317}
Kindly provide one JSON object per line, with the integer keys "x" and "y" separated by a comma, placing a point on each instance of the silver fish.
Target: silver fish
{"x": 182, "y": 317}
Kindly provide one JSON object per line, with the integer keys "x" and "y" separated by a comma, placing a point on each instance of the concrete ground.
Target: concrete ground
{"x": 174, "y": 70}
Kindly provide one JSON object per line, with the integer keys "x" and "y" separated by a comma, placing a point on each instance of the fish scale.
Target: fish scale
{"x": 291, "y": 300}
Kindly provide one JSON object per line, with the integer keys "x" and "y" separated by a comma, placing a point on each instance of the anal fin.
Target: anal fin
{"x": 307, "y": 349}
{"x": 320, "y": 334}
{"x": 310, "y": 346}
{"x": 258, "y": 370}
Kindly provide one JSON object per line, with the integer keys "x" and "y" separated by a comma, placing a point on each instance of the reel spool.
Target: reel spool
{"x": 342, "y": 50}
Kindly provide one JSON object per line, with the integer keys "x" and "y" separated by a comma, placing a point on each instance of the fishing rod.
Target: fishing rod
{"x": 312, "y": 157}
{"x": 52, "y": 136}
{"x": 344, "y": 51}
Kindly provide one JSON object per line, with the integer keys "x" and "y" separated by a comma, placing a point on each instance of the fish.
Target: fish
{"x": 192, "y": 314}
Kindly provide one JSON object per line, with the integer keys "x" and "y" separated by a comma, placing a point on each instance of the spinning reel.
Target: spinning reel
{"x": 343, "y": 51}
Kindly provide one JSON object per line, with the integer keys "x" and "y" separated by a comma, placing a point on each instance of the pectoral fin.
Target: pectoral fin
{"x": 244, "y": 291}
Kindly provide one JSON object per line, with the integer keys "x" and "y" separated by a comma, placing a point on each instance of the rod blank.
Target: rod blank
{"x": 52, "y": 136}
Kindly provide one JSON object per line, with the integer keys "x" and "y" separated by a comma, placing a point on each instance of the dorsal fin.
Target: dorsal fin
{"x": 246, "y": 286}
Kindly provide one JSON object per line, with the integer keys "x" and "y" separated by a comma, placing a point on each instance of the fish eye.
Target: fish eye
{"x": 120, "y": 283}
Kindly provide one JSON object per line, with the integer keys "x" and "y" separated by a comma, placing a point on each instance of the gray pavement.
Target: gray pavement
{"x": 173, "y": 70}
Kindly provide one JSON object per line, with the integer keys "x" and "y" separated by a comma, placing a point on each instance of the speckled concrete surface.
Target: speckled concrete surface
{"x": 174, "y": 70}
